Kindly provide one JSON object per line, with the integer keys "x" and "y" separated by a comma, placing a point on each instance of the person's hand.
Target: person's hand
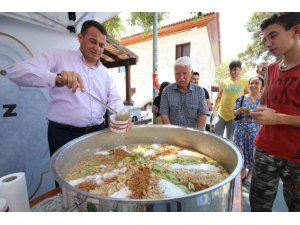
{"x": 213, "y": 114}
{"x": 264, "y": 115}
{"x": 244, "y": 110}
{"x": 130, "y": 125}
{"x": 70, "y": 79}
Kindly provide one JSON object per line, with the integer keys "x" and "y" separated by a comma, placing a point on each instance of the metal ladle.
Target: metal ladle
{"x": 99, "y": 101}
{"x": 94, "y": 98}
{"x": 119, "y": 115}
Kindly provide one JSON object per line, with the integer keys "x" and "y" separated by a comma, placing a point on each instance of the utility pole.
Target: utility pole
{"x": 155, "y": 73}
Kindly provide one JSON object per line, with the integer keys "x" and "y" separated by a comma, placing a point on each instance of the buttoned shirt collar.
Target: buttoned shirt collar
{"x": 83, "y": 60}
{"x": 189, "y": 88}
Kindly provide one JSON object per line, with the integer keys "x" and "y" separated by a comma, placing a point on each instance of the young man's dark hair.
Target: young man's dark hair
{"x": 92, "y": 23}
{"x": 195, "y": 73}
{"x": 235, "y": 64}
{"x": 285, "y": 19}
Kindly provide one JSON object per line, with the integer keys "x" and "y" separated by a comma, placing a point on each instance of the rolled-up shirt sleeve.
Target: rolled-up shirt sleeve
{"x": 35, "y": 72}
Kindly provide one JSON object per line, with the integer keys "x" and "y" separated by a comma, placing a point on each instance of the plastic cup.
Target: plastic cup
{"x": 118, "y": 126}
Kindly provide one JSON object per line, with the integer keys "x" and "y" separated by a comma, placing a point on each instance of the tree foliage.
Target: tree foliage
{"x": 145, "y": 19}
{"x": 114, "y": 27}
{"x": 222, "y": 71}
{"x": 256, "y": 50}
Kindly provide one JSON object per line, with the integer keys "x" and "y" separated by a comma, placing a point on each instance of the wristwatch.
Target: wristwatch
{"x": 59, "y": 77}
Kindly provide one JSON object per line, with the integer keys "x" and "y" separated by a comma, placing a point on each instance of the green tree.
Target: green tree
{"x": 256, "y": 50}
{"x": 222, "y": 71}
{"x": 115, "y": 25}
{"x": 145, "y": 19}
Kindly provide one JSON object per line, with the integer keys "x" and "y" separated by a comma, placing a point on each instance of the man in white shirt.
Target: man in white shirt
{"x": 72, "y": 114}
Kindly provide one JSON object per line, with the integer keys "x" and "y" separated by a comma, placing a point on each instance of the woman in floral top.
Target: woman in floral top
{"x": 246, "y": 128}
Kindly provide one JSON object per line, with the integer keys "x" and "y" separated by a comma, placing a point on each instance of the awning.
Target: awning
{"x": 115, "y": 54}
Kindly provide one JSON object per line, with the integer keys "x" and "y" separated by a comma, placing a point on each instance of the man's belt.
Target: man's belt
{"x": 85, "y": 130}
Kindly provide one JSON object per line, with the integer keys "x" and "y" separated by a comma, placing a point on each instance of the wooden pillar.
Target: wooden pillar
{"x": 128, "y": 85}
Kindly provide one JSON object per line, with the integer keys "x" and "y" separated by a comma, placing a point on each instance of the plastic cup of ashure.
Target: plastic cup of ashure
{"x": 247, "y": 109}
{"x": 119, "y": 122}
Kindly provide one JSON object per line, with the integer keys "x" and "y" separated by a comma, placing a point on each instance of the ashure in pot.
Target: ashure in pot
{"x": 216, "y": 198}
{"x": 146, "y": 171}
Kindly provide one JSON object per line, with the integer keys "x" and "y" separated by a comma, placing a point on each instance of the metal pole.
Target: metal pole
{"x": 155, "y": 37}
{"x": 128, "y": 84}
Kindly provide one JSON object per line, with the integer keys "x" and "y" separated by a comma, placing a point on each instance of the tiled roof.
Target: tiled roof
{"x": 171, "y": 25}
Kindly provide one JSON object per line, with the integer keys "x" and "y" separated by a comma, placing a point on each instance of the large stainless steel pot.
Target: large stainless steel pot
{"x": 216, "y": 198}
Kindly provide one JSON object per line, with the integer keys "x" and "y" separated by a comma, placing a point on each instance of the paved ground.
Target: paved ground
{"x": 279, "y": 204}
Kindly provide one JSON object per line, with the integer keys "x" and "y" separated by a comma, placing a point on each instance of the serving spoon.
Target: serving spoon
{"x": 96, "y": 99}
{"x": 99, "y": 101}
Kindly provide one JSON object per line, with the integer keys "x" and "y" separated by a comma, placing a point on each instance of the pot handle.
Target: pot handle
{"x": 113, "y": 207}
{"x": 178, "y": 207}
{"x": 76, "y": 204}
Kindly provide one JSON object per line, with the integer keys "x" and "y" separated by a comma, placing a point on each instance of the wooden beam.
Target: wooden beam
{"x": 120, "y": 47}
{"x": 119, "y": 63}
{"x": 109, "y": 54}
{"x": 103, "y": 61}
{"x": 128, "y": 83}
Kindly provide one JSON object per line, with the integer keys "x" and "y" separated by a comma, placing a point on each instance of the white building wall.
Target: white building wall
{"x": 141, "y": 74}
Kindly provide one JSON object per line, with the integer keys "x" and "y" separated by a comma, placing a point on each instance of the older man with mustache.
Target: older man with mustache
{"x": 184, "y": 103}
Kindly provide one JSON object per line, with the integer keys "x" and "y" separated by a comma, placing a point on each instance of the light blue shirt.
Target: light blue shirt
{"x": 65, "y": 106}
